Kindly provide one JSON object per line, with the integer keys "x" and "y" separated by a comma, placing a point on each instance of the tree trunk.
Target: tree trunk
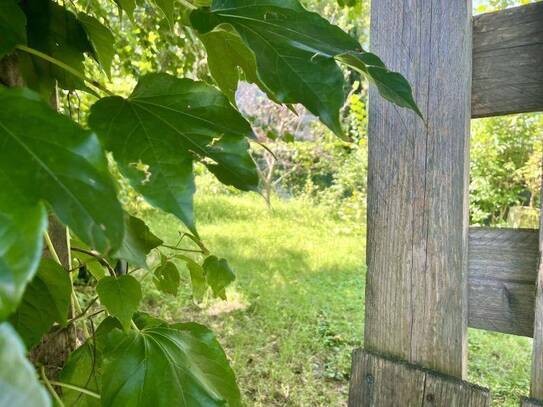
{"x": 53, "y": 350}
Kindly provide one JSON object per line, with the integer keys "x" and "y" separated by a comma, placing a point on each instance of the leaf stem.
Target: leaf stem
{"x": 133, "y": 325}
{"x": 79, "y": 311}
{"x": 76, "y": 388}
{"x": 50, "y": 387}
{"x": 51, "y": 248}
{"x": 187, "y": 4}
{"x": 167, "y": 246}
{"x": 96, "y": 255}
{"x": 66, "y": 67}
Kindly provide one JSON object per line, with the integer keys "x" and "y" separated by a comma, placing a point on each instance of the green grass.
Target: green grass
{"x": 296, "y": 310}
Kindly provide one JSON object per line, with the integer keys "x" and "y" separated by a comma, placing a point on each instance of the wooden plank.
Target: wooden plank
{"x": 379, "y": 381}
{"x": 417, "y": 221}
{"x": 528, "y": 402}
{"x": 536, "y": 389}
{"x": 508, "y": 61}
{"x": 502, "y": 271}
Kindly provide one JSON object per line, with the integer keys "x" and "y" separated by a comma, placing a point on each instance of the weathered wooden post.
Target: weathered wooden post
{"x": 420, "y": 282}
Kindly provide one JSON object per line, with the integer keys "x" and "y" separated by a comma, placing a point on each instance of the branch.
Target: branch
{"x": 97, "y": 256}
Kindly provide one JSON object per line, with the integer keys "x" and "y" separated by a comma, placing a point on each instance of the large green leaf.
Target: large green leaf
{"x": 286, "y": 40}
{"x": 162, "y": 127}
{"x": 55, "y": 31}
{"x": 167, "y": 365}
{"x": 167, "y": 278}
{"x": 45, "y": 301}
{"x": 121, "y": 296}
{"x": 18, "y": 383}
{"x": 45, "y": 157}
{"x": 295, "y": 51}
{"x": 137, "y": 243}
{"x": 82, "y": 370}
{"x": 12, "y": 26}
{"x": 22, "y": 224}
{"x": 101, "y": 38}
{"x": 218, "y": 274}
{"x": 226, "y": 55}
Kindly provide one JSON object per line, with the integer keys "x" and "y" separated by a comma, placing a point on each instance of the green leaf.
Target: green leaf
{"x": 46, "y": 158}
{"x": 162, "y": 127}
{"x": 18, "y": 383}
{"x": 92, "y": 263}
{"x": 175, "y": 365}
{"x": 55, "y": 31}
{"x": 137, "y": 243}
{"x": 167, "y": 278}
{"x": 287, "y": 40}
{"x": 391, "y": 85}
{"x": 294, "y": 50}
{"x": 101, "y": 39}
{"x": 12, "y": 26}
{"x": 22, "y": 225}
{"x": 82, "y": 370}
{"x": 226, "y": 55}
{"x": 167, "y": 8}
{"x": 45, "y": 301}
{"x": 121, "y": 296}
{"x": 127, "y": 6}
{"x": 197, "y": 278}
{"x": 218, "y": 274}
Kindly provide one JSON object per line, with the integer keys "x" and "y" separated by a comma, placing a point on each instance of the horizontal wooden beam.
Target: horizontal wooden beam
{"x": 508, "y": 61}
{"x": 381, "y": 381}
{"x": 502, "y": 271}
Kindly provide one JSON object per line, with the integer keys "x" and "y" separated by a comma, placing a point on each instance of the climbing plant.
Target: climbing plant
{"x": 55, "y": 171}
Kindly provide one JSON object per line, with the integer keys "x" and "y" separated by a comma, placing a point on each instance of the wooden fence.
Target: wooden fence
{"x": 430, "y": 275}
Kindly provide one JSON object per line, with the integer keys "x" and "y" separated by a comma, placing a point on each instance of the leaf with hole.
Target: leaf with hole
{"x": 18, "y": 383}
{"x": 46, "y": 158}
{"x": 121, "y": 296}
{"x": 46, "y": 300}
{"x": 12, "y": 26}
{"x": 166, "y": 124}
{"x": 169, "y": 365}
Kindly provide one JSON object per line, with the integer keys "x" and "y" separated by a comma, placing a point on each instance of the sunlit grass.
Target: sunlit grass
{"x": 296, "y": 310}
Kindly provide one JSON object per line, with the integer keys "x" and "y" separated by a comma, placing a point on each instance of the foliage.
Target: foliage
{"x": 505, "y": 166}
{"x": 52, "y": 166}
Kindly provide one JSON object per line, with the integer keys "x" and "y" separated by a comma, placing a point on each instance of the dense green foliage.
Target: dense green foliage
{"x": 55, "y": 170}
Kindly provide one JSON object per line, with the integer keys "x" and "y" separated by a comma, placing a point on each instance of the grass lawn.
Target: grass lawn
{"x": 296, "y": 309}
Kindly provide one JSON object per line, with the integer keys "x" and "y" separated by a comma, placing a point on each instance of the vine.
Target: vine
{"x": 52, "y": 166}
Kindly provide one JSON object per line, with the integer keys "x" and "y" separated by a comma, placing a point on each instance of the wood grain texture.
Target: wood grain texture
{"x": 417, "y": 183}
{"x": 378, "y": 381}
{"x": 502, "y": 272}
{"x": 528, "y": 402}
{"x": 536, "y": 389}
{"x": 508, "y": 61}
